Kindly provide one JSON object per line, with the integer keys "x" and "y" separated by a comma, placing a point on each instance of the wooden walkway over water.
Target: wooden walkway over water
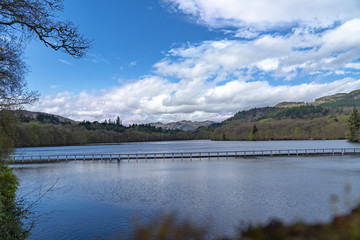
{"x": 25, "y": 159}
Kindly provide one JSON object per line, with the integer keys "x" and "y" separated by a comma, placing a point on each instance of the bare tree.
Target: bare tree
{"x": 20, "y": 21}
{"x": 13, "y": 90}
{"x": 28, "y": 18}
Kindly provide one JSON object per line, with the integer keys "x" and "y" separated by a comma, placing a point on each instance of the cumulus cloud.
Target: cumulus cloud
{"x": 301, "y": 51}
{"x": 355, "y": 65}
{"x": 263, "y": 14}
{"x": 149, "y": 100}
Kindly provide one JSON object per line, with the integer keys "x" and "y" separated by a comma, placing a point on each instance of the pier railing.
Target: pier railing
{"x": 24, "y": 158}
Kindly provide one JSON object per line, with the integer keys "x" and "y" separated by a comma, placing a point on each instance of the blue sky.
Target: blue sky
{"x": 169, "y": 60}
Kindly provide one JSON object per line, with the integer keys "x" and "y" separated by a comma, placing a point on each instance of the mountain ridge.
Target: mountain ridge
{"x": 185, "y": 125}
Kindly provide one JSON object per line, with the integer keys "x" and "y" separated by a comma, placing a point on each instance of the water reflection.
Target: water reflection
{"x": 185, "y": 146}
{"x": 100, "y": 198}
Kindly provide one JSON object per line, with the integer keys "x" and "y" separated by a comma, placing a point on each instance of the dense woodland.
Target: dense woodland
{"x": 295, "y": 123}
{"x": 47, "y": 130}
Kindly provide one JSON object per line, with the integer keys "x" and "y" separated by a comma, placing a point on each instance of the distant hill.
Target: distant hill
{"x": 182, "y": 125}
{"x": 325, "y": 118}
{"x": 253, "y": 114}
{"x": 44, "y": 117}
{"x": 289, "y": 104}
{"x": 351, "y": 99}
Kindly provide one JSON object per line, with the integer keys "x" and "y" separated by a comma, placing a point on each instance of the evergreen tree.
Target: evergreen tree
{"x": 118, "y": 121}
{"x": 252, "y": 133}
{"x": 354, "y": 126}
{"x": 254, "y": 130}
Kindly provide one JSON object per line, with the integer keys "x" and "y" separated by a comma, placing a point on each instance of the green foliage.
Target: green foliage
{"x": 29, "y": 134}
{"x": 254, "y": 130}
{"x": 284, "y": 129}
{"x": 251, "y": 136}
{"x": 297, "y": 132}
{"x": 301, "y": 112}
{"x": 7, "y": 127}
{"x": 269, "y": 134}
{"x": 254, "y": 114}
{"x": 340, "y": 100}
{"x": 11, "y": 211}
{"x": 8, "y": 186}
{"x": 354, "y": 126}
{"x": 47, "y": 118}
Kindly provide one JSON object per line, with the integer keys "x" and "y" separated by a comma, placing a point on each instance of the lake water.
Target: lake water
{"x": 100, "y": 199}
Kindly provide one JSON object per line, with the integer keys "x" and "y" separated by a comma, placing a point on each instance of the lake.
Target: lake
{"x": 100, "y": 199}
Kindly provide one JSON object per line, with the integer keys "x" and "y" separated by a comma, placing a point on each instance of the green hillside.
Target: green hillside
{"x": 325, "y": 118}
{"x": 351, "y": 99}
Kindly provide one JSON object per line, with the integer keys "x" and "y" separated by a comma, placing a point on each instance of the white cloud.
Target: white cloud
{"x": 96, "y": 58}
{"x": 302, "y": 51}
{"x": 353, "y": 65}
{"x": 246, "y": 33}
{"x": 269, "y": 64}
{"x": 151, "y": 99}
{"x": 55, "y": 86}
{"x": 132, "y": 64}
{"x": 65, "y": 62}
{"x": 267, "y": 14}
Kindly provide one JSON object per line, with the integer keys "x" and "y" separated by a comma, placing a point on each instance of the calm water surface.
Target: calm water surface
{"x": 93, "y": 199}
{"x": 184, "y": 146}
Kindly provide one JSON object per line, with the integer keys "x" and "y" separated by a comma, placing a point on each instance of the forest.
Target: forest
{"x": 268, "y": 123}
{"x": 48, "y": 130}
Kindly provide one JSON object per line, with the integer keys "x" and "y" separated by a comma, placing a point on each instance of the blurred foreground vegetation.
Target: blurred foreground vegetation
{"x": 342, "y": 227}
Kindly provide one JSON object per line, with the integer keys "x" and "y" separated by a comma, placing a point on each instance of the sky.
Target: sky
{"x": 171, "y": 60}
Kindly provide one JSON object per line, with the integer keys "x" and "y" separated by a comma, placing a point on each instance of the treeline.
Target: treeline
{"x": 33, "y": 133}
{"x": 287, "y": 129}
{"x": 294, "y": 123}
{"x": 301, "y": 112}
{"x": 269, "y": 123}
